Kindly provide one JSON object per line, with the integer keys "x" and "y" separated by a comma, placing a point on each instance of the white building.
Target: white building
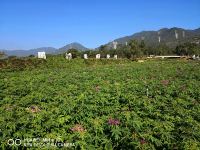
{"x": 115, "y": 56}
{"x": 108, "y": 56}
{"x": 115, "y": 45}
{"x": 42, "y": 55}
{"x": 159, "y": 39}
{"x": 98, "y": 56}
{"x": 85, "y": 56}
{"x": 68, "y": 56}
{"x": 176, "y": 34}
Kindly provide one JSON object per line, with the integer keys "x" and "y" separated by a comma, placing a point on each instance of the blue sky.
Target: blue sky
{"x": 26, "y": 24}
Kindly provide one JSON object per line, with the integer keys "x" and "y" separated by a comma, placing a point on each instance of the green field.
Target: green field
{"x": 102, "y": 104}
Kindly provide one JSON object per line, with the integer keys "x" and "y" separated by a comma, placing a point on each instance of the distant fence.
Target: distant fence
{"x": 168, "y": 57}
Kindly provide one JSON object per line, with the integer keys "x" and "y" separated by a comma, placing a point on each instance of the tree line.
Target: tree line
{"x": 135, "y": 49}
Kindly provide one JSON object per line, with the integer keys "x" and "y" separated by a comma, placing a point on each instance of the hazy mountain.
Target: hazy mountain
{"x": 24, "y": 53}
{"x": 74, "y": 45}
{"x": 167, "y": 36}
{"x": 48, "y": 50}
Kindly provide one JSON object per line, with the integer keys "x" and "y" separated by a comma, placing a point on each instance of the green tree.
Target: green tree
{"x": 2, "y": 54}
{"x": 143, "y": 48}
{"x": 75, "y": 53}
{"x": 133, "y": 50}
{"x": 163, "y": 49}
{"x": 188, "y": 49}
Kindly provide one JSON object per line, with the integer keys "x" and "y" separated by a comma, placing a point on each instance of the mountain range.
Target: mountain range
{"x": 47, "y": 50}
{"x": 74, "y": 45}
{"x": 169, "y": 36}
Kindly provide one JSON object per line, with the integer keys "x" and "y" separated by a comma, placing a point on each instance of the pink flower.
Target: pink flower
{"x": 33, "y": 109}
{"x": 142, "y": 141}
{"x": 97, "y": 88}
{"x": 113, "y": 122}
{"x": 78, "y": 128}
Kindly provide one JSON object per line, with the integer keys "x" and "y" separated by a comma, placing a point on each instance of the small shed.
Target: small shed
{"x": 42, "y": 55}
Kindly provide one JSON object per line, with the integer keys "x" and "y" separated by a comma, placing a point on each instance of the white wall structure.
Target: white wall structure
{"x": 126, "y": 43}
{"x": 85, "y": 56}
{"x": 183, "y": 34}
{"x": 108, "y": 56}
{"x": 42, "y": 55}
{"x": 115, "y": 56}
{"x": 115, "y": 45}
{"x": 159, "y": 39}
{"x": 68, "y": 56}
{"x": 98, "y": 56}
{"x": 176, "y": 34}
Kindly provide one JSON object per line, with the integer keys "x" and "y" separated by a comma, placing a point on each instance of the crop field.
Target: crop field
{"x": 101, "y": 104}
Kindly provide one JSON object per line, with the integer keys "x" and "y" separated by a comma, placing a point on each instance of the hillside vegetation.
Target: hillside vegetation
{"x": 102, "y": 104}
